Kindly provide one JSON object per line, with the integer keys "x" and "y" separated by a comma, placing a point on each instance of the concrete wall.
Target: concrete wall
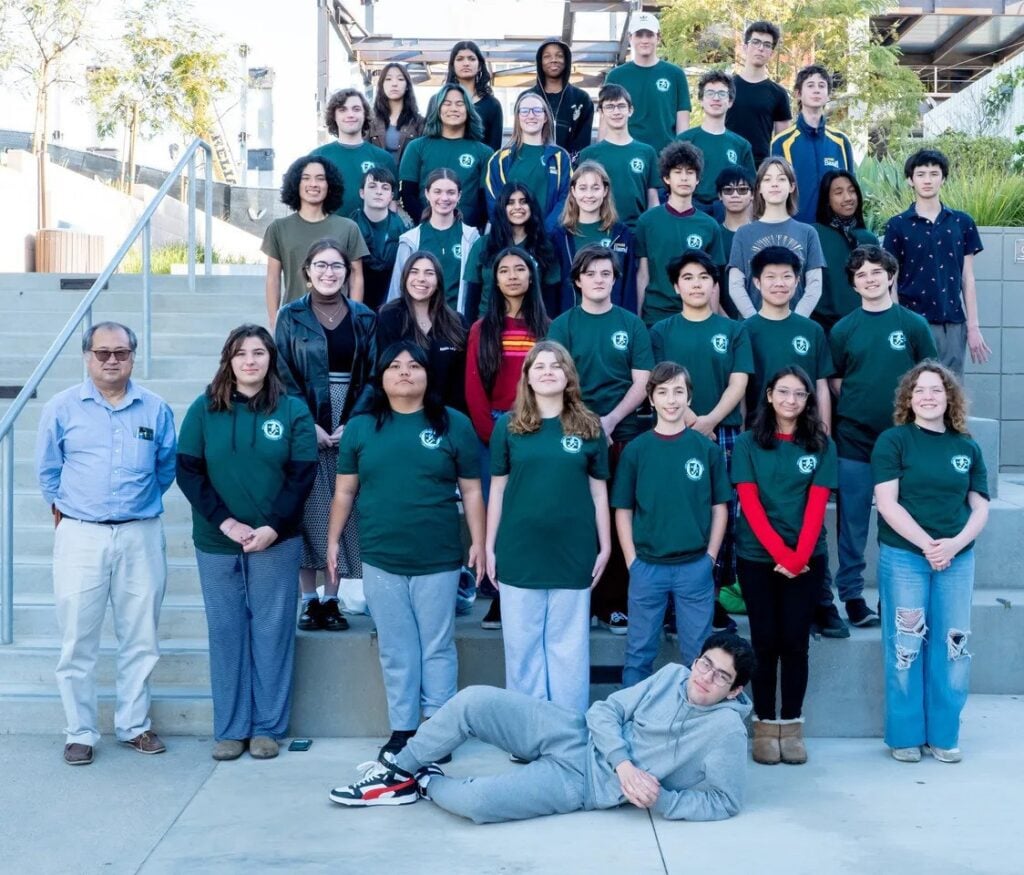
{"x": 996, "y": 388}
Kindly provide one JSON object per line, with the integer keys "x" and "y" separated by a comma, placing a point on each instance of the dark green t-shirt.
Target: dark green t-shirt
{"x": 935, "y": 471}
{"x": 547, "y": 536}
{"x": 632, "y": 169}
{"x": 784, "y": 476}
{"x": 529, "y": 169}
{"x": 658, "y": 93}
{"x": 606, "y": 348}
{"x": 408, "y": 511}
{"x": 468, "y": 158}
{"x": 871, "y": 352}
{"x": 778, "y": 343}
{"x": 720, "y": 152}
{"x": 711, "y": 350}
{"x": 246, "y": 455}
{"x": 352, "y": 162}
{"x": 671, "y": 483}
{"x": 447, "y": 246}
{"x": 660, "y": 237}
{"x": 837, "y": 295}
{"x": 477, "y": 271}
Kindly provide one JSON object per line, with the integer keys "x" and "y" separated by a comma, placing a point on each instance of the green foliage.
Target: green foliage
{"x": 875, "y": 93}
{"x": 162, "y": 257}
{"x": 998, "y": 98}
{"x": 966, "y": 154}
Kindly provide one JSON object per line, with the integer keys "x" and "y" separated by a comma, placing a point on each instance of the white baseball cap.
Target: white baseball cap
{"x": 643, "y": 21}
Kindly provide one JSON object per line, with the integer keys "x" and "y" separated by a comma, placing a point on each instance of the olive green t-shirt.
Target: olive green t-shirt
{"x": 837, "y": 295}
{"x": 658, "y": 93}
{"x": 467, "y": 158}
{"x": 352, "y": 162}
{"x": 871, "y": 352}
{"x": 935, "y": 471}
{"x": 529, "y": 169}
{"x": 447, "y": 246}
{"x": 547, "y": 536}
{"x": 784, "y": 476}
{"x": 408, "y": 512}
{"x": 632, "y": 169}
{"x": 660, "y": 237}
{"x": 720, "y": 152}
{"x": 606, "y": 348}
{"x": 477, "y": 271}
{"x": 288, "y": 240}
{"x": 671, "y": 482}
{"x": 778, "y": 343}
{"x": 711, "y": 350}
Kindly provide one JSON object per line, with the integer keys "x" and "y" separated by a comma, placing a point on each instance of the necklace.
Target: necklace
{"x": 326, "y": 315}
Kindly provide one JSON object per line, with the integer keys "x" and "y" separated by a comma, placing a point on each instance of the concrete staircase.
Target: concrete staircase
{"x": 338, "y": 681}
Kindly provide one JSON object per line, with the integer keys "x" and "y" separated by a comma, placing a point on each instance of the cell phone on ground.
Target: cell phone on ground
{"x": 301, "y": 744}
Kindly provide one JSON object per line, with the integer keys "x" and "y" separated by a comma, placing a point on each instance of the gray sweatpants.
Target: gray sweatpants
{"x": 552, "y": 737}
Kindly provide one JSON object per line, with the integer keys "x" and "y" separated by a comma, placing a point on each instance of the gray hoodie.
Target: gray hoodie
{"x": 697, "y": 752}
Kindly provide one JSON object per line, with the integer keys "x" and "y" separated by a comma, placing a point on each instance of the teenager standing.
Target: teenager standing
{"x": 395, "y": 120}
{"x": 734, "y": 188}
{"x": 467, "y": 67}
{"x": 571, "y": 107}
{"x": 381, "y": 227}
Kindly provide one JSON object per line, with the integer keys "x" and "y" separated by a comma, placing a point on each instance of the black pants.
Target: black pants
{"x": 780, "y": 610}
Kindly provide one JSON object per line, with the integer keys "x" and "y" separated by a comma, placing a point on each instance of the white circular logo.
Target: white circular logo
{"x": 620, "y": 340}
{"x": 898, "y": 340}
{"x": 466, "y": 160}
{"x": 662, "y": 85}
{"x": 962, "y": 464}
{"x": 694, "y": 469}
{"x": 273, "y": 430}
{"x": 720, "y": 343}
{"x": 694, "y": 241}
{"x": 606, "y": 242}
{"x": 572, "y": 444}
{"x": 801, "y": 344}
{"x": 807, "y": 464}
{"x": 732, "y": 156}
{"x": 430, "y": 439}
{"x": 457, "y": 250}
{"x": 637, "y": 165}
{"x": 367, "y": 165}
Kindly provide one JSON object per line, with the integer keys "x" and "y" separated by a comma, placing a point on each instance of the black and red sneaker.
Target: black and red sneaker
{"x": 381, "y": 784}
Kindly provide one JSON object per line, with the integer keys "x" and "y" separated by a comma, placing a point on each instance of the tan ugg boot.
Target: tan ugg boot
{"x": 766, "y": 742}
{"x": 791, "y": 741}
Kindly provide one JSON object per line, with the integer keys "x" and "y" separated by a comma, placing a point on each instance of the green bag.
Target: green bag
{"x": 731, "y": 598}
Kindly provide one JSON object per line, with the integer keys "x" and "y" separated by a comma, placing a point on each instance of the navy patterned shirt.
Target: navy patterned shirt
{"x": 931, "y": 258}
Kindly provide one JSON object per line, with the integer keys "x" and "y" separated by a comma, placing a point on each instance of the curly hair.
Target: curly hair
{"x": 577, "y": 419}
{"x": 679, "y": 153}
{"x": 293, "y": 177}
{"x": 955, "y": 417}
{"x": 337, "y": 101}
{"x": 571, "y": 210}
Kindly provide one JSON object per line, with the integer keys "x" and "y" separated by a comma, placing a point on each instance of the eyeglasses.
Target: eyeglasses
{"x": 718, "y": 677}
{"x": 103, "y": 355}
{"x": 798, "y": 395}
{"x": 735, "y": 189}
{"x": 535, "y": 111}
{"x": 760, "y": 44}
{"x": 324, "y": 266}
{"x": 719, "y": 95}
{"x": 615, "y": 107}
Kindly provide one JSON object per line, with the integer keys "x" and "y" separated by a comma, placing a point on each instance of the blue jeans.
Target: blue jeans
{"x": 691, "y": 586}
{"x": 856, "y": 488}
{"x": 926, "y": 618}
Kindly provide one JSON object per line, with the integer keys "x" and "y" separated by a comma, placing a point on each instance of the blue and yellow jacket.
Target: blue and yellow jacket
{"x": 812, "y": 152}
{"x": 559, "y": 170}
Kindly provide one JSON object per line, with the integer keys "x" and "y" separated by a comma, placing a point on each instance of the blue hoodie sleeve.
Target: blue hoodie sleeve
{"x": 720, "y": 795}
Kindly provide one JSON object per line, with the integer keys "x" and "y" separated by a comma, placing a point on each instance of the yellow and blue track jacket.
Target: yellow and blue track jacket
{"x": 812, "y": 152}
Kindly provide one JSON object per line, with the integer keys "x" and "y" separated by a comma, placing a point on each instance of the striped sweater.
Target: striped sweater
{"x": 516, "y": 342}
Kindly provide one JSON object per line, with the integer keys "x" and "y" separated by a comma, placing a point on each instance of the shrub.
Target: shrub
{"x": 162, "y": 257}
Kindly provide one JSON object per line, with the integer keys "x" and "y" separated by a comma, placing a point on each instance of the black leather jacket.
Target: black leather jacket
{"x": 302, "y": 358}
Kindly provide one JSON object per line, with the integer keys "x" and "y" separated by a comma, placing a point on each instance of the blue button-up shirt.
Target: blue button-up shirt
{"x": 97, "y": 462}
{"x": 931, "y": 258}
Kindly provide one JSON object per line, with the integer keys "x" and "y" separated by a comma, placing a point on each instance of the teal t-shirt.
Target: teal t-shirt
{"x": 720, "y": 151}
{"x": 529, "y": 169}
{"x": 658, "y": 93}
{"x": 479, "y": 271}
{"x": 352, "y": 162}
{"x": 778, "y": 343}
{"x": 408, "y": 475}
{"x": 447, "y": 246}
{"x": 467, "y": 158}
{"x": 671, "y": 482}
{"x": 547, "y": 536}
{"x": 837, "y": 295}
{"x": 632, "y": 169}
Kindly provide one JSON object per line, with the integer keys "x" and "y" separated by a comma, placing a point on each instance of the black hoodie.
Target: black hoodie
{"x": 572, "y": 107}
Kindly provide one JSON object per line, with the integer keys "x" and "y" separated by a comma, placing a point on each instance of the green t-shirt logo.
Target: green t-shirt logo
{"x": 695, "y": 241}
{"x": 273, "y": 430}
{"x": 367, "y": 165}
{"x": 572, "y": 444}
{"x": 620, "y": 340}
{"x": 898, "y": 340}
{"x": 962, "y": 464}
{"x": 466, "y": 160}
{"x": 801, "y": 345}
{"x": 694, "y": 469}
{"x": 457, "y": 250}
{"x": 430, "y": 439}
{"x": 720, "y": 343}
{"x": 662, "y": 85}
{"x": 637, "y": 165}
{"x": 732, "y": 156}
{"x": 807, "y": 464}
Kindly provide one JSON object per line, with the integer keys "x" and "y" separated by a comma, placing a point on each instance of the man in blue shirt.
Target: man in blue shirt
{"x": 935, "y": 247}
{"x": 105, "y": 456}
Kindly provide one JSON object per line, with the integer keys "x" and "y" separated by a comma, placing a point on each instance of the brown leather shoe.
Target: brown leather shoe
{"x": 148, "y": 743}
{"x": 77, "y": 754}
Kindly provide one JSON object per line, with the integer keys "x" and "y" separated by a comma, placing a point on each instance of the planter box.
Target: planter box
{"x": 60, "y": 250}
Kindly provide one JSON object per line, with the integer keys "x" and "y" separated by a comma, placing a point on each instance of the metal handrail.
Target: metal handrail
{"x": 83, "y": 313}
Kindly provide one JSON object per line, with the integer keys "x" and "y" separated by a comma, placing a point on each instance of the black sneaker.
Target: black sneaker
{"x": 860, "y": 614}
{"x": 721, "y": 621}
{"x": 331, "y": 618}
{"x": 381, "y": 784}
{"x": 394, "y": 745}
{"x": 492, "y": 619}
{"x": 311, "y": 617}
{"x": 617, "y": 623}
{"x": 423, "y": 776}
{"x": 830, "y": 623}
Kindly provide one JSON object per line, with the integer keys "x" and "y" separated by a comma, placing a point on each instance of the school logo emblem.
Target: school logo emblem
{"x": 806, "y": 464}
{"x": 430, "y": 439}
{"x": 898, "y": 340}
{"x": 572, "y": 444}
{"x": 620, "y": 340}
{"x": 367, "y": 165}
{"x": 732, "y": 156}
{"x": 637, "y": 165}
{"x": 694, "y": 469}
{"x": 273, "y": 430}
{"x": 962, "y": 464}
{"x": 662, "y": 85}
{"x": 466, "y": 160}
{"x": 720, "y": 343}
{"x": 694, "y": 241}
{"x": 457, "y": 250}
{"x": 577, "y": 108}
{"x": 801, "y": 344}
{"x": 606, "y": 242}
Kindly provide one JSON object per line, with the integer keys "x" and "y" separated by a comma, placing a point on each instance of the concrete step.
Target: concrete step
{"x": 33, "y": 575}
{"x": 32, "y": 286}
{"x": 36, "y": 540}
{"x": 182, "y": 616}
{"x": 249, "y": 294}
{"x": 67, "y": 369}
{"x": 30, "y": 509}
{"x": 206, "y": 338}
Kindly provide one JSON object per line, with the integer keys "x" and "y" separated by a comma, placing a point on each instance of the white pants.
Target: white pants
{"x": 125, "y": 565}
{"x": 547, "y": 644}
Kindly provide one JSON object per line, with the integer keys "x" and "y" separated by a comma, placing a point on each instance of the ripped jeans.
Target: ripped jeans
{"x": 926, "y": 621}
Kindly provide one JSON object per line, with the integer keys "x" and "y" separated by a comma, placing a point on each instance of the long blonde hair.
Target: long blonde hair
{"x": 955, "y": 417}
{"x": 577, "y": 419}
{"x": 547, "y": 133}
{"x": 571, "y": 211}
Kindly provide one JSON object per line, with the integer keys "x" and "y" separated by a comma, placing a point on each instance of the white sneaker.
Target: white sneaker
{"x": 906, "y": 754}
{"x": 944, "y": 755}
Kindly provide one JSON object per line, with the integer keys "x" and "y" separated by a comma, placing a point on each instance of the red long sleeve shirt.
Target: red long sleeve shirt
{"x": 516, "y": 342}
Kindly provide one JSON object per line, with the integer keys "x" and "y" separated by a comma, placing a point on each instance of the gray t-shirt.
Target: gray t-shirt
{"x": 796, "y": 236}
